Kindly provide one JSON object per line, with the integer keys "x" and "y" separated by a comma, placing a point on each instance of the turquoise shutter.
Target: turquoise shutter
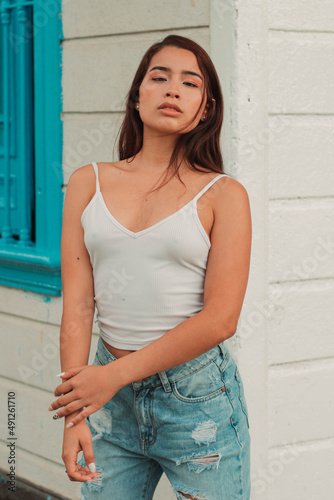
{"x": 31, "y": 132}
{"x": 17, "y": 131}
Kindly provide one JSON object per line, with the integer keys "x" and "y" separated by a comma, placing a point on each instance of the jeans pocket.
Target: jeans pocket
{"x": 202, "y": 385}
{"x": 242, "y": 394}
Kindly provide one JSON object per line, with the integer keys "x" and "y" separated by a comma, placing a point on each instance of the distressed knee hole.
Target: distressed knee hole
{"x": 183, "y": 492}
{"x": 180, "y": 495}
{"x": 196, "y": 462}
{"x": 205, "y": 432}
{"x": 185, "y": 495}
{"x": 207, "y": 459}
{"x": 96, "y": 483}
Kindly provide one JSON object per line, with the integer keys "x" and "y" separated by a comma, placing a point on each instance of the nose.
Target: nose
{"x": 172, "y": 93}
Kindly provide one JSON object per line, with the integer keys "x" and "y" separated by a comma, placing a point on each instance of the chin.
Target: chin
{"x": 165, "y": 128}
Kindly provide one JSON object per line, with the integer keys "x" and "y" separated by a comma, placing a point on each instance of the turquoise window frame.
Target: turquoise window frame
{"x": 28, "y": 264}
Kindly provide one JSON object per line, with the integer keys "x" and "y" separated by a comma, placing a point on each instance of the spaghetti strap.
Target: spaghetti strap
{"x": 97, "y": 176}
{"x": 207, "y": 186}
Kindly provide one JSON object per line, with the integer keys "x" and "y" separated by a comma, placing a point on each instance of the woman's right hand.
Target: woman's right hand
{"x": 78, "y": 438}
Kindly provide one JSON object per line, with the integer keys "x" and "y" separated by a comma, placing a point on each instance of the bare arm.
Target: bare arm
{"x": 78, "y": 312}
{"x": 76, "y": 273}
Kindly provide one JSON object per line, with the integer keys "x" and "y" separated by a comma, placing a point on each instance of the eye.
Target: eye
{"x": 159, "y": 78}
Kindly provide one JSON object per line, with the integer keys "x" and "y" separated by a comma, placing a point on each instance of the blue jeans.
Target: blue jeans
{"x": 190, "y": 421}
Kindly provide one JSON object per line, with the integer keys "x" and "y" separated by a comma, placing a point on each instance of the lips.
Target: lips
{"x": 168, "y": 105}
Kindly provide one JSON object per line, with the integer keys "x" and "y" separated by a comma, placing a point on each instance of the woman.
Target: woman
{"x": 168, "y": 271}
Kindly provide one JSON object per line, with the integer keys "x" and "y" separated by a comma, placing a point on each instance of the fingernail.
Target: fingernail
{"x": 55, "y": 416}
{"x": 60, "y": 374}
{"x": 50, "y": 408}
{"x": 92, "y": 467}
{"x": 70, "y": 425}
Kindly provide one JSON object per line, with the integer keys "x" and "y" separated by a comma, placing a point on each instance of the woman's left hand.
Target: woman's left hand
{"x": 88, "y": 385}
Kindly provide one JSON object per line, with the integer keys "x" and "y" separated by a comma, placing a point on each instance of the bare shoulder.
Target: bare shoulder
{"x": 230, "y": 200}
{"x": 83, "y": 179}
{"x": 81, "y": 187}
{"x": 82, "y": 175}
{"x": 231, "y": 208}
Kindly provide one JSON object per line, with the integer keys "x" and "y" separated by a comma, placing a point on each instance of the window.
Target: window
{"x": 31, "y": 180}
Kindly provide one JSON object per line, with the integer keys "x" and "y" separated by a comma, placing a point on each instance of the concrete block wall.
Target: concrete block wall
{"x": 301, "y": 250}
{"x": 279, "y": 95}
{"x": 273, "y": 59}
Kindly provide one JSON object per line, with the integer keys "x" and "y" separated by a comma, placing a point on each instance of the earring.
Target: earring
{"x": 137, "y": 105}
{"x": 203, "y": 118}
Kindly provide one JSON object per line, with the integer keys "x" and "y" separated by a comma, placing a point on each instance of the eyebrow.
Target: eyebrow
{"x": 163, "y": 68}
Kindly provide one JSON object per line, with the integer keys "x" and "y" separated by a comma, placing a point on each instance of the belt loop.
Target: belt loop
{"x": 165, "y": 382}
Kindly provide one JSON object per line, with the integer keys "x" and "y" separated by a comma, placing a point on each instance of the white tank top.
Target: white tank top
{"x": 147, "y": 282}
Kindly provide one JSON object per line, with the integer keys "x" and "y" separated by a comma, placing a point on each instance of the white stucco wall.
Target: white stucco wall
{"x": 274, "y": 61}
{"x": 279, "y": 143}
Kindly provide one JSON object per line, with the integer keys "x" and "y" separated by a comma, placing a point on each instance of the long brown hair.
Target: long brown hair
{"x": 200, "y": 145}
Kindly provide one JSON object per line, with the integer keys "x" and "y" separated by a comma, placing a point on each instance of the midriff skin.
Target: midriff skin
{"x": 118, "y": 353}
{"x": 196, "y": 181}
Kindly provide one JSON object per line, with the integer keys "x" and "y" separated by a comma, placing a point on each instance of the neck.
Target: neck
{"x": 155, "y": 153}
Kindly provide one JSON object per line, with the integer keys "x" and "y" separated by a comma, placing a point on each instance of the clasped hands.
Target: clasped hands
{"x": 88, "y": 386}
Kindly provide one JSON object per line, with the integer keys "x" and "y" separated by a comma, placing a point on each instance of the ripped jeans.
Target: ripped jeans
{"x": 190, "y": 421}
